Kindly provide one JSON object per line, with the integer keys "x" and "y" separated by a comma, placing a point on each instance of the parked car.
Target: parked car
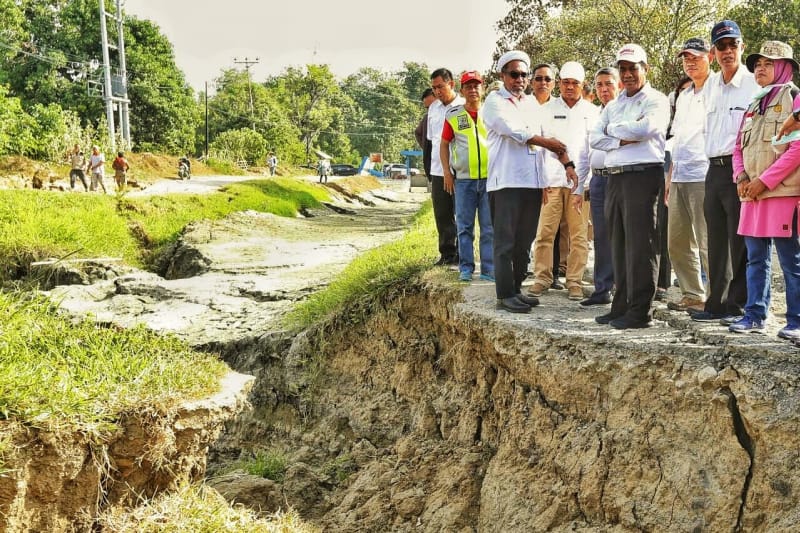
{"x": 340, "y": 169}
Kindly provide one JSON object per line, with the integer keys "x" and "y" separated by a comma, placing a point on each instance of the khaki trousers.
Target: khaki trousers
{"x": 559, "y": 202}
{"x": 687, "y": 237}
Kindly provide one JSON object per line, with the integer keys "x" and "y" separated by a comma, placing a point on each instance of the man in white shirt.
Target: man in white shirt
{"x": 97, "y": 163}
{"x": 685, "y": 188}
{"x": 567, "y": 118}
{"x": 728, "y": 94}
{"x": 513, "y": 127}
{"x": 443, "y": 203}
{"x": 632, "y": 130}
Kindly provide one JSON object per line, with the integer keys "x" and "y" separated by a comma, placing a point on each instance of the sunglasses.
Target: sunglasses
{"x": 517, "y": 74}
{"x": 546, "y": 79}
{"x": 722, "y": 46}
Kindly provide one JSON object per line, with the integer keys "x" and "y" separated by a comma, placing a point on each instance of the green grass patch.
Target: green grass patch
{"x": 53, "y": 371}
{"x": 270, "y": 464}
{"x": 340, "y": 468}
{"x": 40, "y": 224}
{"x": 196, "y": 509}
{"x": 372, "y": 272}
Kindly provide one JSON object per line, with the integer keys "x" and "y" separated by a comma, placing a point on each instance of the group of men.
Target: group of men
{"x": 95, "y": 166}
{"x": 526, "y": 163}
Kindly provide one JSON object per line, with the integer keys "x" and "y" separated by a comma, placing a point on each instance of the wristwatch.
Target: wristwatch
{"x": 796, "y": 115}
{"x": 743, "y": 177}
{"x": 569, "y": 164}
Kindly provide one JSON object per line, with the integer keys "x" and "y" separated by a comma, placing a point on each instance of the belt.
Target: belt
{"x": 600, "y": 171}
{"x": 632, "y": 168}
{"x": 721, "y": 161}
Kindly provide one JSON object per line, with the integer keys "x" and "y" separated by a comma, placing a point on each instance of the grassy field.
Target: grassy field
{"x": 41, "y": 224}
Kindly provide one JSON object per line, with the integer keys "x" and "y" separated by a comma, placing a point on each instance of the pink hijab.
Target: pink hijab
{"x": 783, "y": 75}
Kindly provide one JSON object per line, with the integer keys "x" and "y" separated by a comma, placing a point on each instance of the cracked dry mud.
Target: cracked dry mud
{"x": 435, "y": 412}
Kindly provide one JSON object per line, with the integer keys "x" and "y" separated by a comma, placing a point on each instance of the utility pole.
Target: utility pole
{"x": 115, "y": 93}
{"x": 247, "y": 64}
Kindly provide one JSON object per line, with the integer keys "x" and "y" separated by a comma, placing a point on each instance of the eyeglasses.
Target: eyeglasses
{"x": 517, "y": 74}
{"x": 725, "y": 45}
{"x": 546, "y": 79}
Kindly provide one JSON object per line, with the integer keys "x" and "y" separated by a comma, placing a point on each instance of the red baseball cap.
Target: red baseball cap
{"x": 471, "y": 75}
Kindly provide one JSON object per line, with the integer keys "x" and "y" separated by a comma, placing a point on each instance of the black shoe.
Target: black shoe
{"x": 452, "y": 260}
{"x": 707, "y": 316}
{"x": 512, "y": 305}
{"x": 624, "y": 322}
{"x": 596, "y": 299}
{"x": 527, "y": 300}
{"x": 442, "y": 261}
{"x": 661, "y": 294}
{"x": 606, "y": 318}
{"x": 557, "y": 285}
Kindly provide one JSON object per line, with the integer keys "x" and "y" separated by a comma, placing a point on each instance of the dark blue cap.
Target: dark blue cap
{"x": 726, "y": 28}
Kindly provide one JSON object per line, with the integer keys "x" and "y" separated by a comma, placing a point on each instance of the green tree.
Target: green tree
{"x": 385, "y": 115}
{"x": 239, "y": 145}
{"x": 164, "y": 112}
{"x": 762, "y": 20}
{"x": 312, "y": 99}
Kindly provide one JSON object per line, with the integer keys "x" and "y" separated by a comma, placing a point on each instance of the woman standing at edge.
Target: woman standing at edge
{"x": 768, "y": 182}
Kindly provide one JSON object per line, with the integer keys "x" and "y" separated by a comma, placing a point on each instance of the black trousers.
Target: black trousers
{"x": 664, "y": 266}
{"x": 515, "y": 218}
{"x": 444, "y": 213}
{"x": 631, "y": 213}
{"x": 727, "y": 254}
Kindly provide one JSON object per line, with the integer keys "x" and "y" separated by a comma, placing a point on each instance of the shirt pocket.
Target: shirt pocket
{"x": 747, "y": 130}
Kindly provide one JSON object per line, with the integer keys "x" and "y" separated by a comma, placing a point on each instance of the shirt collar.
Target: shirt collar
{"x": 506, "y": 94}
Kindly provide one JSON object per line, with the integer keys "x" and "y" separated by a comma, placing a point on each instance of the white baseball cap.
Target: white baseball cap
{"x": 633, "y": 53}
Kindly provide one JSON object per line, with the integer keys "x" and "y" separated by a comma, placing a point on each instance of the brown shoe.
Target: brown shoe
{"x": 686, "y": 303}
{"x": 536, "y": 290}
{"x": 575, "y": 293}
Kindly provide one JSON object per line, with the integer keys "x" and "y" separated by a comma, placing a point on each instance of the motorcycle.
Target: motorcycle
{"x": 183, "y": 170}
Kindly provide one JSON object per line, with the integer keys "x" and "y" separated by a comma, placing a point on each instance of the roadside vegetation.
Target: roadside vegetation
{"x": 41, "y": 224}
{"x": 373, "y": 272}
{"x": 199, "y": 509}
{"x": 58, "y": 374}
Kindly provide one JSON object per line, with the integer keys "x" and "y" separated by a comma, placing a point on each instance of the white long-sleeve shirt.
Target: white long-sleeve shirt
{"x": 725, "y": 107}
{"x": 569, "y": 125}
{"x": 510, "y": 122}
{"x": 642, "y": 117}
{"x": 436, "y": 113}
{"x": 689, "y": 161}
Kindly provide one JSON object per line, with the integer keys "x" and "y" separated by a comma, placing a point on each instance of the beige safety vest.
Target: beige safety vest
{"x": 757, "y": 151}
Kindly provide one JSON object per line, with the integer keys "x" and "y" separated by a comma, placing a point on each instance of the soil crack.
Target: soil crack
{"x": 747, "y": 444}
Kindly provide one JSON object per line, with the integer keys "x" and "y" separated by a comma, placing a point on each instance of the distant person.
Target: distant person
{"x": 78, "y": 163}
{"x": 186, "y": 162}
{"x": 443, "y": 205}
{"x": 323, "y": 168}
{"x": 96, "y": 169}
{"x": 421, "y": 132}
{"x": 272, "y": 163}
{"x": 121, "y": 167}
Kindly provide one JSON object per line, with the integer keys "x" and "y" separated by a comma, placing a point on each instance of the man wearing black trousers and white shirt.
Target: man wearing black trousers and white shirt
{"x": 632, "y": 130}
{"x": 443, "y": 202}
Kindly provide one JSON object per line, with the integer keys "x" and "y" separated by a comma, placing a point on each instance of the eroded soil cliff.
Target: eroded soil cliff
{"x": 438, "y": 413}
